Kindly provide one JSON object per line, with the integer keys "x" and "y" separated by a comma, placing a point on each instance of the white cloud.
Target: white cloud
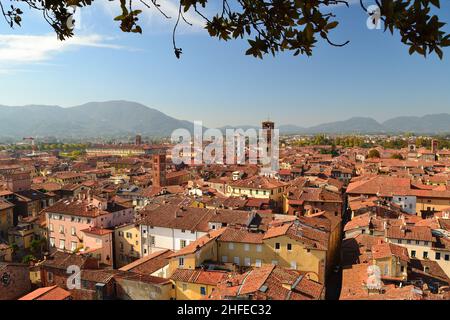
{"x": 36, "y": 48}
{"x": 153, "y": 21}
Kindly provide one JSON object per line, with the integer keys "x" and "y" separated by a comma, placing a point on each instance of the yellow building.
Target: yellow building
{"x": 288, "y": 245}
{"x": 22, "y": 235}
{"x": 259, "y": 187}
{"x": 6, "y": 218}
{"x": 193, "y": 255}
{"x": 392, "y": 261}
{"x": 127, "y": 244}
{"x": 431, "y": 200}
{"x": 195, "y": 284}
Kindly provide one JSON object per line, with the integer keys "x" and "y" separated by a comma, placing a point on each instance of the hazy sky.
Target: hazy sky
{"x": 214, "y": 81}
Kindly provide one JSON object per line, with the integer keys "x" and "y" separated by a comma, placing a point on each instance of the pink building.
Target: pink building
{"x": 83, "y": 225}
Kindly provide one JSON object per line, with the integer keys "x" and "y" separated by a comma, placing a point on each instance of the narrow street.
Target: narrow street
{"x": 334, "y": 284}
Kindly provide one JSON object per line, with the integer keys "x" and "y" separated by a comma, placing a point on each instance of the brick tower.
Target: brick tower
{"x": 159, "y": 170}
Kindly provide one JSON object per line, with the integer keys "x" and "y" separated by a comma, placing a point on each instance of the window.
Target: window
{"x": 294, "y": 265}
{"x": 399, "y": 241}
{"x": 203, "y": 291}
{"x": 425, "y": 255}
{"x": 447, "y": 257}
{"x": 50, "y": 227}
{"x": 50, "y": 276}
{"x": 402, "y": 269}
{"x": 386, "y": 270}
{"x": 425, "y": 243}
{"x": 182, "y": 244}
{"x": 438, "y": 256}
{"x": 73, "y": 245}
{"x": 181, "y": 261}
{"x": 152, "y": 240}
{"x": 231, "y": 246}
{"x": 408, "y": 241}
{"x": 52, "y": 242}
{"x": 120, "y": 233}
{"x": 183, "y": 231}
{"x": 277, "y": 246}
{"x": 247, "y": 262}
{"x": 236, "y": 260}
{"x": 258, "y": 248}
{"x": 417, "y": 242}
{"x": 61, "y": 229}
{"x": 62, "y": 244}
{"x": 224, "y": 259}
{"x": 73, "y": 231}
{"x": 129, "y": 235}
{"x": 413, "y": 253}
{"x": 258, "y": 263}
{"x": 246, "y": 247}
{"x": 289, "y": 246}
{"x": 274, "y": 262}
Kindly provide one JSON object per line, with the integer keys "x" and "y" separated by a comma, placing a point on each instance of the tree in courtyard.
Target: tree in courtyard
{"x": 373, "y": 153}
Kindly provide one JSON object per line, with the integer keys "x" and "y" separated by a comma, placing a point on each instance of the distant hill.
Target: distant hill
{"x": 94, "y": 119}
{"x": 352, "y": 125}
{"x": 433, "y": 123}
{"x": 124, "y": 118}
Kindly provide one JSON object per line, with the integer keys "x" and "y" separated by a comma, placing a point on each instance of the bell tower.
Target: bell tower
{"x": 159, "y": 170}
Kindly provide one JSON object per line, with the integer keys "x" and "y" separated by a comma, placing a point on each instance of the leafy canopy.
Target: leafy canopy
{"x": 269, "y": 26}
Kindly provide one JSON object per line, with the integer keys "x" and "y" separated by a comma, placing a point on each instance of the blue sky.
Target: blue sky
{"x": 214, "y": 81}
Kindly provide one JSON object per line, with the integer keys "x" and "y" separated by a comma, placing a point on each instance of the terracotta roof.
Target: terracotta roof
{"x": 258, "y": 182}
{"x": 47, "y": 293}
{"x": 354, "y": 281}
{"x": 268, "y": 282}
{"x": 304, "y": 231}
{"x": 5, "y": 204}
{"x": 241, "y": 236}
{"x": 432, "y": 268}
{"x": 199, "y": 276}
{"x": 149, "y": 264}
{"x": 385, "y": 185}
{"x": 199, "y": 243}
{"x": 410, "y": 233}
{"x": 82, "y": 208}
{"x": 385, "y": 250}
{"x": 177, "y": 217}
{"x": 97, "y": 231}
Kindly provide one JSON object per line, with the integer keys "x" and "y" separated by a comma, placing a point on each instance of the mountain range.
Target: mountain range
{"x": 124, "y": 118}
